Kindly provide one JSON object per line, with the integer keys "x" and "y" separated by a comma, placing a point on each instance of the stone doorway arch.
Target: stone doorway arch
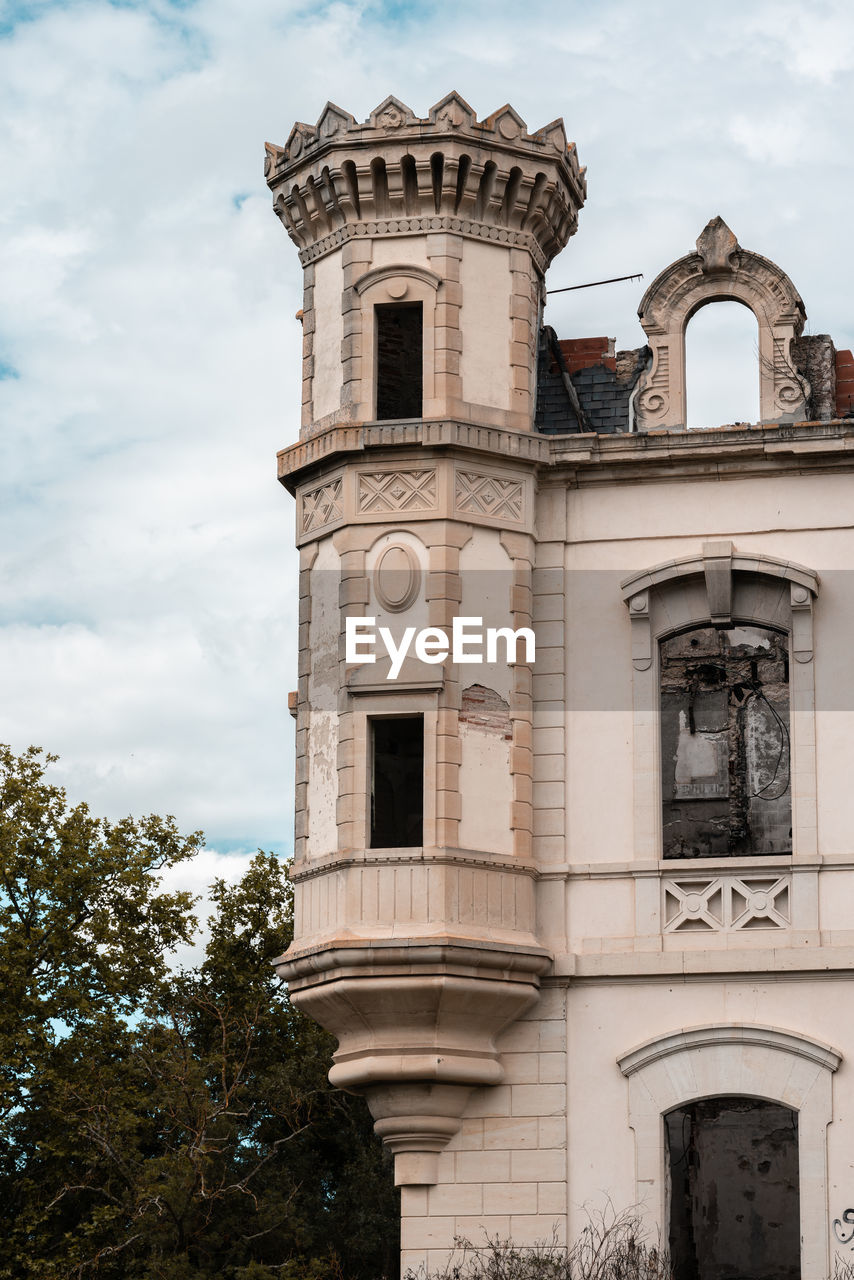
{"x": 720, "y": 271}
{"x": 736, "y": 1059}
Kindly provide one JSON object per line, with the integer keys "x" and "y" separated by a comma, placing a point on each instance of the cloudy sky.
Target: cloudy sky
{"x": 149, "y": 352}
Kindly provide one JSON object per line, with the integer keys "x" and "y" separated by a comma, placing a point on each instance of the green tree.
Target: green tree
{"x": 163, "y": 1124}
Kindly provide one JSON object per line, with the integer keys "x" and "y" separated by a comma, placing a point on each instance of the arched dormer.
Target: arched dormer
{"x": 720, "y": 271}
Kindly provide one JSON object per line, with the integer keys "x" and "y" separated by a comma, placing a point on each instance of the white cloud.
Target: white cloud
{"x": 195, "y": 876}
{"x": 148, "y": 581}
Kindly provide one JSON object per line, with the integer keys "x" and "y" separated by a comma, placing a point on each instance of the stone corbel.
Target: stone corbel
{"x": 802, "y": 638}
{"x": 641, "y": 631}
{"x": 717, "y": 568}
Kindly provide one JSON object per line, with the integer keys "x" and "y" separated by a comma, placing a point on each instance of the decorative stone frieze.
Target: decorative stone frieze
{"x": 321, "y": 506}
{"x": 391, "y": 492}
{"x": 448, "y": 489}
{"x": 479, "y": 494}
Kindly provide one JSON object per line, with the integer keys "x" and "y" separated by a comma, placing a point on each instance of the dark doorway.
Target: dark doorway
{"x": 734, "y": 1199}
{"x": 400, "y": 345}
{"x": 397, "y": 782}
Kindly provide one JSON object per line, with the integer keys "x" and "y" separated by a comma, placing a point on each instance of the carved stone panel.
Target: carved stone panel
{"x": 721, "y": 904}
{"x": 393, "y": 492}
{"x": 488, "y": 495}
{"x": 321, "y": 506}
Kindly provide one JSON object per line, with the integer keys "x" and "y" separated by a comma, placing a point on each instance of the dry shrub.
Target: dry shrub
{"x": 611, "y": 1247}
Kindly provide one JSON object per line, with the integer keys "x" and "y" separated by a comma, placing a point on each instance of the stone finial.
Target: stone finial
{"x": 716, "y": 245}
{"x": 399, "y": 174}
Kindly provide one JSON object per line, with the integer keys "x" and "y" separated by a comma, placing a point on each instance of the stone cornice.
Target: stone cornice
{"x": 335, "y": 961}
{"x": 471, "y": 228}
{"x": 309, "y": 870}
{"x": 793, "y": 962}
{"x": 348, "y": 439}
{"x": 715, "y": 453}
{"x": 583, "y": 459}
{"x": 396, "y": 174}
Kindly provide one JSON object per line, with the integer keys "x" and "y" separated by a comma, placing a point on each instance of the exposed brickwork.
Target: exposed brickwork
{"x": 844, "y": 384}
{"x": 486, "y": 709}
{"x": 584, "y": 353}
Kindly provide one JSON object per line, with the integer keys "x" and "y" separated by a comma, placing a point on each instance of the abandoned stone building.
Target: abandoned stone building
{"x": 576, "y": 898}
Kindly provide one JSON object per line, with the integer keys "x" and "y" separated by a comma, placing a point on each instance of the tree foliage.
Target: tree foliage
{"x": 155, "y": 1123}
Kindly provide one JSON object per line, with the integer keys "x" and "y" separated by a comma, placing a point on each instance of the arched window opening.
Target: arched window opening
{"x": 725, "y": 749}
{"x": 722, "y": 366}
{"x": 734, "y": 1189}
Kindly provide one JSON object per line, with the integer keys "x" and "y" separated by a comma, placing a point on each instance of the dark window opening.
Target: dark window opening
{"x": 397, "y": 782}
{"x": 400, "y": 345}
{"x": 725, "y": 751}
{"x": 734, "y": 1193}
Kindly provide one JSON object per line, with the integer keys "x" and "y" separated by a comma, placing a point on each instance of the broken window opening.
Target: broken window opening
{"x": 721, "y": 366}
{"x": 734, "y": 1190}
{"x": 397, "y": 782}
{"x": 400, "y": 359}
{"x": 725, "y": 745}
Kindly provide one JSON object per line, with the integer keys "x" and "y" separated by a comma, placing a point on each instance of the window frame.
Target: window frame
{"x": 398, "y": 284}
{"x": 369, "y": 704}
{"x": 727, "y": 735}
{"x": 721, "y": 587}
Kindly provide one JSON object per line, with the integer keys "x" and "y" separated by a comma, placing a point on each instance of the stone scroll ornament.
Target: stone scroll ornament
{"x": 843, "y": 1228}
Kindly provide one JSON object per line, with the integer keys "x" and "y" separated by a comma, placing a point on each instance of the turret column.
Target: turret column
{"x": 424, "y": 244}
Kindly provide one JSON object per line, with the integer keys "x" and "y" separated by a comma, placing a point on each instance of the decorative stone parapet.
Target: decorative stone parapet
{"x": 397, "y": 174}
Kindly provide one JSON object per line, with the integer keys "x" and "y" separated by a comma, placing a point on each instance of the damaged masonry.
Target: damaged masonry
{"x": 580, "y": 919}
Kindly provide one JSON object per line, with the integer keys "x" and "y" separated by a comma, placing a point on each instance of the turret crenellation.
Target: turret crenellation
{"x": 399, "y": 174}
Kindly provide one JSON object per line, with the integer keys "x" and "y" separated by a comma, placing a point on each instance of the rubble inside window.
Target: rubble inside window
{"x": 726, "y": 761}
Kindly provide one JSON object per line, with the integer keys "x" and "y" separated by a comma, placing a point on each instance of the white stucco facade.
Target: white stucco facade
{"x": 525, "y": 994}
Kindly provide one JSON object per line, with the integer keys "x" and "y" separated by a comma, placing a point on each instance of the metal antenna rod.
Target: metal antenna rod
{"x": 593, "y": 283}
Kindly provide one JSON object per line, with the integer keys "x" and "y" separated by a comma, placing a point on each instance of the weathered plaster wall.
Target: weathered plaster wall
{"x": 485, "y": 325}
{"x": 328, "y": 334}
{"x": 411, "y": 250}
{"x": 323, "y": 701}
